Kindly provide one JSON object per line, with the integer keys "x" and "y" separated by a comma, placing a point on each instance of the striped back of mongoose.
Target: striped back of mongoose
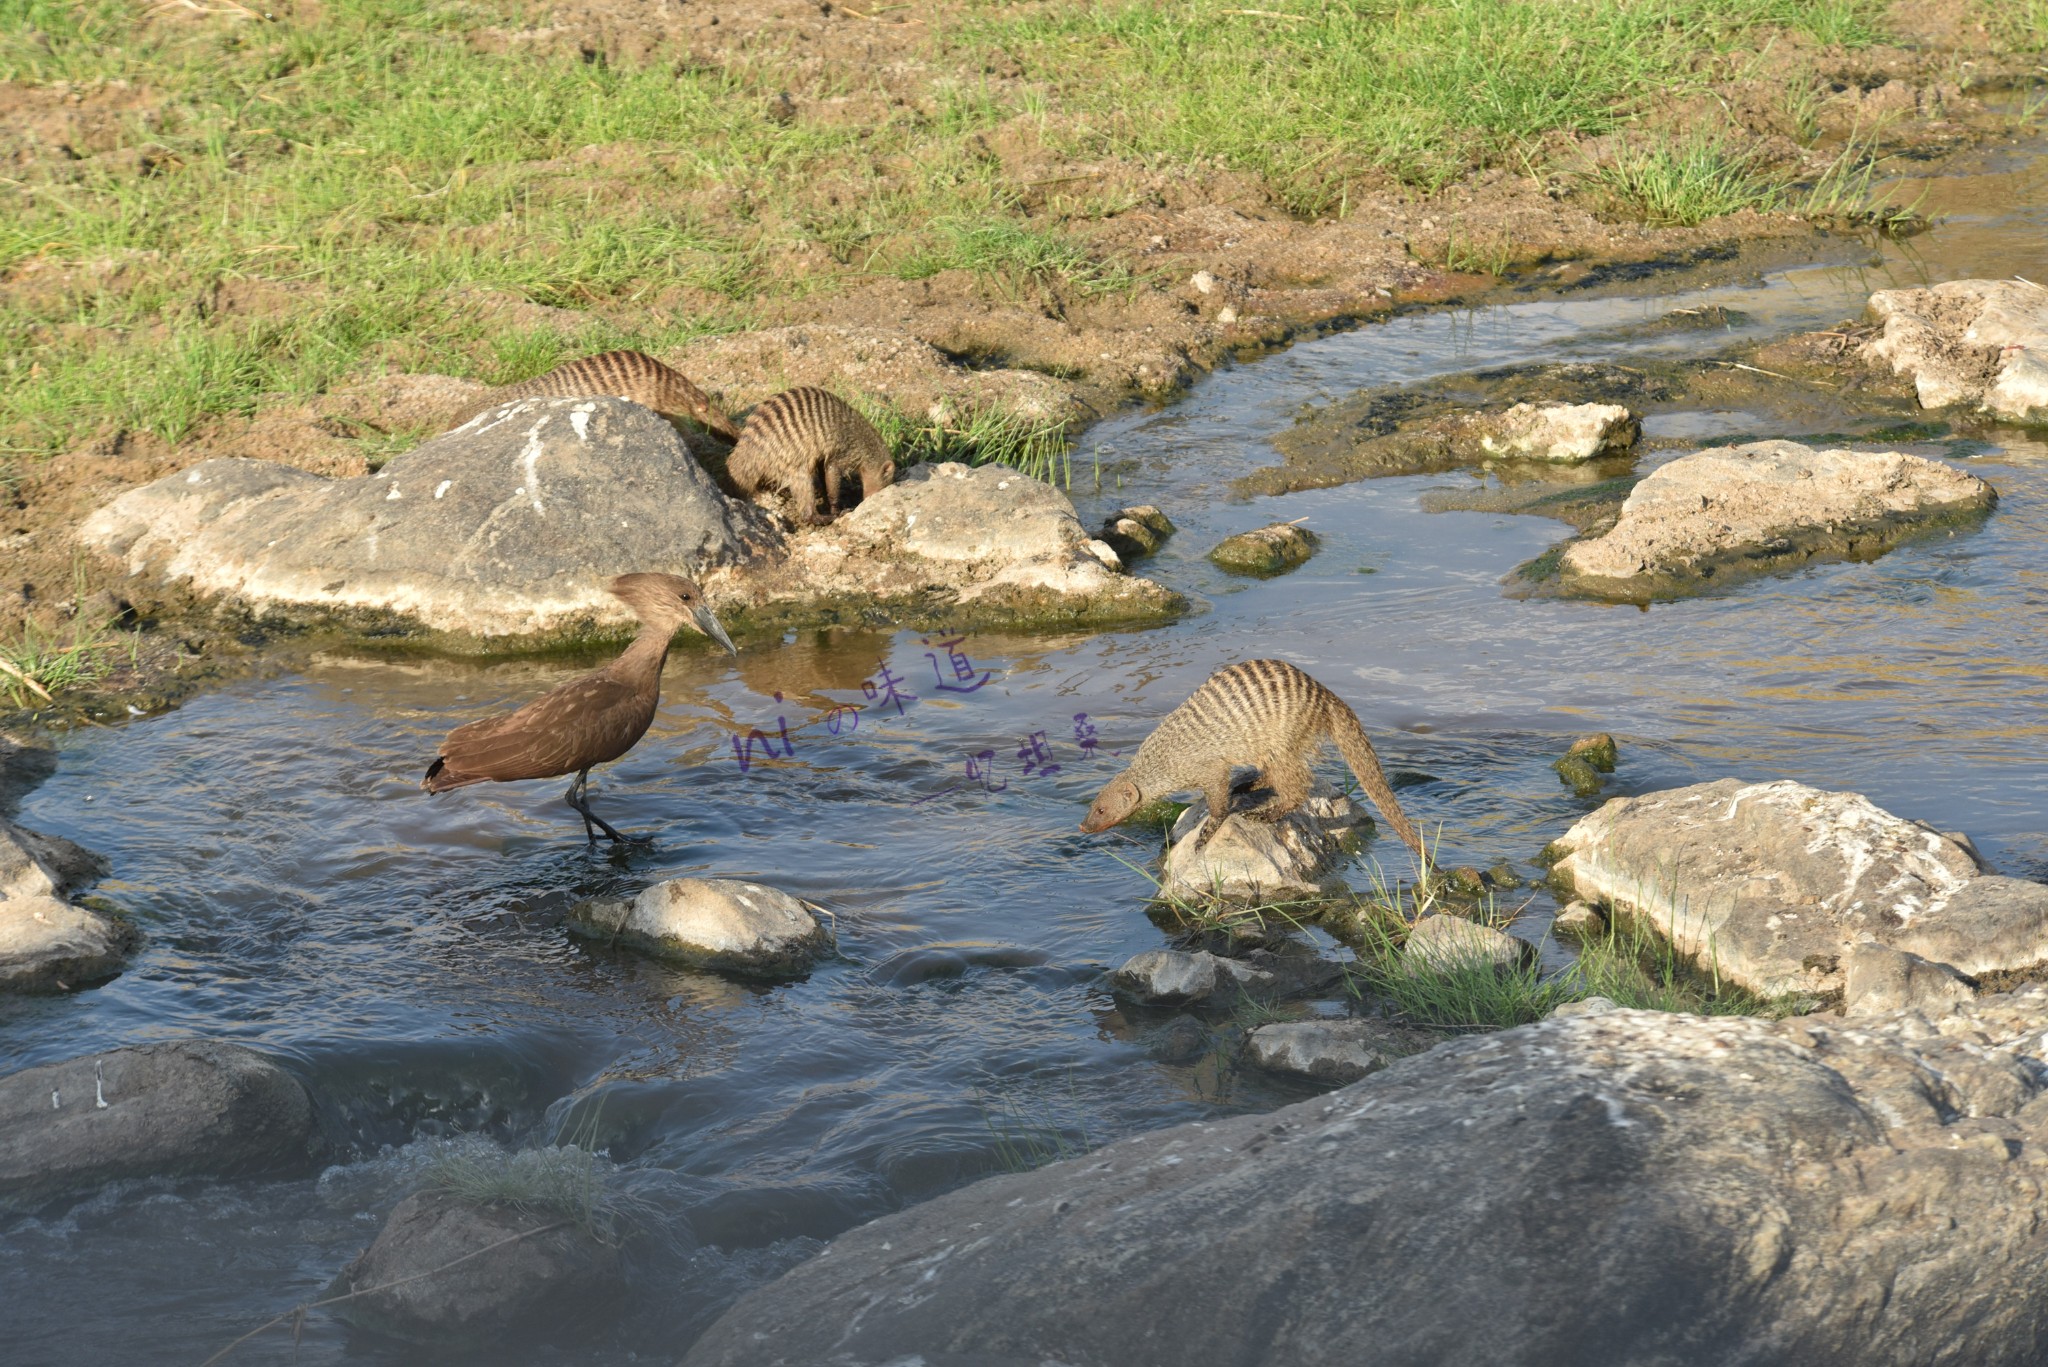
{"x": 630, "y": 375}
{"x": 805, "y": 439}
{"x": 1260, "y": 712}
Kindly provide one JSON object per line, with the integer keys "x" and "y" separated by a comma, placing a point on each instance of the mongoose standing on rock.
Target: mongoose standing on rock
{"x": 630, "y": 375}
{"x": 588, "y": 720}
{"x": 805, "y": 438}
{"x": 1260, "y": 712}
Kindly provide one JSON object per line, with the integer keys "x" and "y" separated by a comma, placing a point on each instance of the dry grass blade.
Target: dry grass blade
{"x": 8, "y": 667}
{"x": 298, "y": 1312}
{"x": 229, "y": 8}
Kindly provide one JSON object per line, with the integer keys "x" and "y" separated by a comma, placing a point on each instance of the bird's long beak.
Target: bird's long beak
{"x": 708, "y": 624}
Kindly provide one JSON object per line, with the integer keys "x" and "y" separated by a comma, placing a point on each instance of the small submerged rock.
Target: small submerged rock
{"x": 194, "y": 1108}
{"x": 1450, "y": 944}
{"x": 1775, "y": 885}
{"x": 48, "y": 944}
{"x": 1136, "y": 532}
{"x": 1716, "y": 516}
{"x": 1327, "y": 1051}
{"x": 1249, "y": 859}
{"x": 444, "y": 1270}
{"x": 1980, "y": 342}
{"x": 1265, "y": 551}
{"x": 1585, "y": 762}
{"x": 1179, "y": 977}
{"x": 716, "y": 923}
{"x": 1578, "y": 921}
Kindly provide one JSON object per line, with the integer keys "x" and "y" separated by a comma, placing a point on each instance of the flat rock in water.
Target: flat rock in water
{"x": 1772, "y": 884}
{"x": 1628, "y": 1188}
{"x": 194, "y": 1108}
{"x": 1978, "y": 342}
{"x": 715, "y": 923}
{"x": 1179, "y": 977}
{"x": 1330, "y": 1051}
{"x": 1264, "y": 551}
{"x": 1716, "y": 516}
{"x": 500, "y": 1269}
{"x": 507, "y": 526}
{"x": 1561, "y": 433}
{"x": 46, "y": 943}
{"x": 1249, "y": 859}
{"x": 985, "y": 540}
{"x": 1450, "y": 944}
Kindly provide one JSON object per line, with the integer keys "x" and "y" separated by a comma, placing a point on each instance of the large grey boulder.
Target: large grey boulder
{"x": 1979, "y": 342}
{"x": 46, "y": 943}
{"x": 984, "y": 540}
{"x": 1247, "y": 859}
{"x": 1631, "y": 1189}
{"x": 190, "y": 1108}
{"x": 508, "y": 525}
{"x": 717, "y": 923}
{"x": 1771, "y": 884}
{"x": 446, "y": 1270}
{"x": 1716, "y": 516}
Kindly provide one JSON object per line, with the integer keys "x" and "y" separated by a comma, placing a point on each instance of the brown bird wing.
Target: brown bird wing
{"x": 584, "y": 722}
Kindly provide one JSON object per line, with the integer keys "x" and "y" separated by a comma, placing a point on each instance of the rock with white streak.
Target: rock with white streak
{"x": 1716, "y": 516}
{"x": 1773, "y": 884}
{"x": 717, "y": 923}
{"x": 1977, "y": 342}
{"x": 507, "y": 526}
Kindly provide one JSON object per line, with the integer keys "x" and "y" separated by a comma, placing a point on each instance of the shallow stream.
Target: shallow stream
{"x": 406, "y": 954}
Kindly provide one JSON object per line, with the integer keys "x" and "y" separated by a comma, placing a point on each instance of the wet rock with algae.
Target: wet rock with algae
{"x": 1265, "y": 551}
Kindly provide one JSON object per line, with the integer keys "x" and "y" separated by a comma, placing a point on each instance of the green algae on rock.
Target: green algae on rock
{"x": 1265, "y": 551}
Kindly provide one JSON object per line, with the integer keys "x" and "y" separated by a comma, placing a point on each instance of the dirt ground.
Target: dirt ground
{"x": 1222, "y": 270}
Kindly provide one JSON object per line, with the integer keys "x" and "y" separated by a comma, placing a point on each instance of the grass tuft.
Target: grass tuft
{"x": 1034, "y": 446}
{"x": 37, "y": 665}
{"x": 1681, "y": 184}
{"x": 560, "y": 1182}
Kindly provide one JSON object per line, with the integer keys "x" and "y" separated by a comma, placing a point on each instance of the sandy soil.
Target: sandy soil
{"x": 1224, "y": 270}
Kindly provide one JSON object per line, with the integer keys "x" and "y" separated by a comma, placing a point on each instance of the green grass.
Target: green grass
{"x": 38, "y": 665}
{"x": 372, "y": 168}
{"x": 560, "y": 1182}
{"x": 1683, "y": 183}
{"x": 1036, "y": 446}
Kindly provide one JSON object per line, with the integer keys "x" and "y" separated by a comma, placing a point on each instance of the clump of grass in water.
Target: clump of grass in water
{"x": 1023, "y": 1141}
{"x": 992, "y": 435}
{"x": 560, "y": 1182}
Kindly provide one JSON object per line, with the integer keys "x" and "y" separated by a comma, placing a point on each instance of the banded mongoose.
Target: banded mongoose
{"x": 802, "y": 439}
{"x": 616, "y": 374}
{"x": 588, "y": 720}
{"x": 1258, "y": 712}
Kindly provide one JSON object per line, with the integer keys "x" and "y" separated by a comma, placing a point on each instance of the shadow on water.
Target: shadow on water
{"x": 407, "y": 955}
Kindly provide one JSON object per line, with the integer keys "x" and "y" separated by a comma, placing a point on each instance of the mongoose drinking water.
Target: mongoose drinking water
{"x": 616, "y": 374}
{"x": 1260, "y": 712}
{"x": 805, "y": 438}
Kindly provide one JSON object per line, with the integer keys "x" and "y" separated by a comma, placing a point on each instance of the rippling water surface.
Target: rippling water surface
{"x": 406, "y": 954}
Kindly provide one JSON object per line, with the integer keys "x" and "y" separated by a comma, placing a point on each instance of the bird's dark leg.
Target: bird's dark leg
{"x": 576, "y": 798}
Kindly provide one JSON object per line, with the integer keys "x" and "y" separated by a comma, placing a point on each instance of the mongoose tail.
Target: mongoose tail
{"x": 631, "y": 375}
{"x": 1352, "y": 743}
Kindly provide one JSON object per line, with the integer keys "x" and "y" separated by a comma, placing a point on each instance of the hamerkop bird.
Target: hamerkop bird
{"x": 1259, "y": 712}
{"x": 586, "y": 721}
